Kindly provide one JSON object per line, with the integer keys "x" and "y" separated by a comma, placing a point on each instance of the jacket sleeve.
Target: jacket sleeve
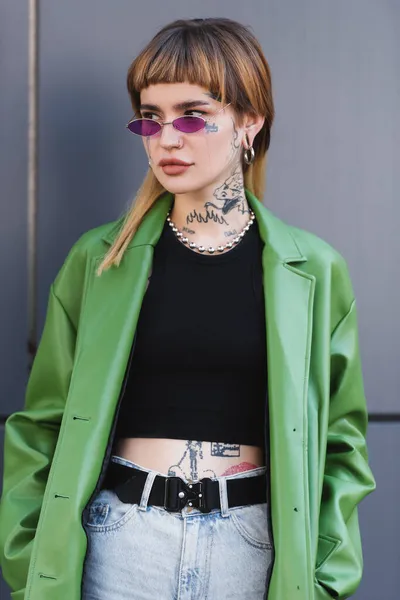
{"x": 347, "y": 476}
{"x": 31, "y": 434}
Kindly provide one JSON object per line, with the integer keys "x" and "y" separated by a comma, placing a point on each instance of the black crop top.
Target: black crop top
{"x": 199, "y": 368}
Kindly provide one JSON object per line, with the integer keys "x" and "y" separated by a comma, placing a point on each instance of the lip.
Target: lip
{"x": 173, "y": 161}
{"x": 175, "y": 169}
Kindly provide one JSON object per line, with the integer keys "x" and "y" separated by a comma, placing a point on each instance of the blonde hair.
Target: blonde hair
{"x": 221, "y": 55}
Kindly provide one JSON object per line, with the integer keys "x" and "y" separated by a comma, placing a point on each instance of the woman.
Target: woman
{"x": 195, "y": 418}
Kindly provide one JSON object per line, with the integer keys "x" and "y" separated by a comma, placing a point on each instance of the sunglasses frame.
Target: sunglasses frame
{"x": 162, "y": 123}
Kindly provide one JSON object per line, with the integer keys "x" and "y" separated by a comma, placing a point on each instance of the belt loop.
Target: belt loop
{"x": 223, "y": 497}
{"x": 151, "y": 475}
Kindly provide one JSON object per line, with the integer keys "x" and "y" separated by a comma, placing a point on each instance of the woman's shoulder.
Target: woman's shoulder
{"x": 93, "y": 241}
{"x": 328, "y": 265}
{"x": 308, "y": 244}
{"x": 71, "y": 280}
{"x": 317, "y": 257}
{"x": 90, "y": 245}
{"x": 315, "y": 249}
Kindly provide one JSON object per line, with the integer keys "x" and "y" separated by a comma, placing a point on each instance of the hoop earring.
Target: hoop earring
{"x": 248, "y": 159}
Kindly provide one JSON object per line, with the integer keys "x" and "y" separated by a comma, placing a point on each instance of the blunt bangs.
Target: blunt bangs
{"x": 196, "y": 54}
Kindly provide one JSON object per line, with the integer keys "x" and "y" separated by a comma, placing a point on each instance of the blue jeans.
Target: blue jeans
{"x": 144, "y": 552}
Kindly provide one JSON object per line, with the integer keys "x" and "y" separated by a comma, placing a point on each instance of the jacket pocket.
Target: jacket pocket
{"x": 326, "y": 546}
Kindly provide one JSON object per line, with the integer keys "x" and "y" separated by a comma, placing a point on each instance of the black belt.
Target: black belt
{"x": 173, "y": 493}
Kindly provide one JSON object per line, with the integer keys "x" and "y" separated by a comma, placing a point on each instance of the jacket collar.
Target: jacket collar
{"x": 276, "y": 235}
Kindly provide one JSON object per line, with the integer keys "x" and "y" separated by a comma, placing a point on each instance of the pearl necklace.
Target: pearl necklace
{"x": 210, "y": 249}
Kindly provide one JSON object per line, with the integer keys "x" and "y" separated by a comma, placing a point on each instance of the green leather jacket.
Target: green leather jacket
{"x": 57, "y": 448}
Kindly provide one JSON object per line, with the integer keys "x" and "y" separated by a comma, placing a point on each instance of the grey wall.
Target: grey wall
{"x": 332, "y": 170}
{"x": 13, "y": 167}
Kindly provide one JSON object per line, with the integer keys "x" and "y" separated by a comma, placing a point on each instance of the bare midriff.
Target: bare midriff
{"x": 190, "y": 459}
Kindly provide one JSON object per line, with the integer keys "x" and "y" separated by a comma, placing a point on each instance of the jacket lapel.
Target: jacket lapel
{"x": 289, "y": 297}
{"x": 108, "y": 323}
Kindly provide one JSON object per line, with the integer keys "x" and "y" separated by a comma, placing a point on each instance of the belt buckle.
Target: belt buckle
{"x": 178, "y": 493}
{"x": 173, "y": 487}
{"x": 200, "y": 494}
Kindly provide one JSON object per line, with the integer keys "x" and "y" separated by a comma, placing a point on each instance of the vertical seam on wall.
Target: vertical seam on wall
{"x": 32, "y": 183}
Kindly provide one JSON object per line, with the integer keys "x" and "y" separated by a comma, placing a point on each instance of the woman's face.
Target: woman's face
{"x": 214, "y": 153}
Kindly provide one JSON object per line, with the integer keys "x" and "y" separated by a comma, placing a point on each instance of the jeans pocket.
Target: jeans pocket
{"x": 251, "y": 522}
{"x": 108, "y": 513}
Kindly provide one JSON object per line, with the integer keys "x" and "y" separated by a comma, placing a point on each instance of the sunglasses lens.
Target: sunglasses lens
{"x": 144, "y": 127}
{"x": 189, "y": 124}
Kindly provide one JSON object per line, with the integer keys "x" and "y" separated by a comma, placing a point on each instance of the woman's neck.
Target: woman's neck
{"x": 211, "y": 217}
